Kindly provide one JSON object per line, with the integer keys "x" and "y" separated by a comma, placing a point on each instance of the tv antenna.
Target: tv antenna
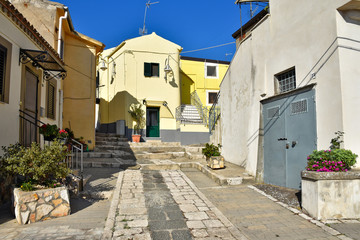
{"x": 143, "y": 31}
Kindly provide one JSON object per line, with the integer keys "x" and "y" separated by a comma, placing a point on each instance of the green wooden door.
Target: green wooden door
{"x": 152, "y": 122}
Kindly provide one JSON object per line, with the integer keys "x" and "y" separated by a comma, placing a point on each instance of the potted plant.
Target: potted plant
{"x": 50, "y": 132}
{"x": 213, "y": 156}
{"x": 137, "y": 114}
{"x": 39, "y": 173}
{"x": 328, "y": 187}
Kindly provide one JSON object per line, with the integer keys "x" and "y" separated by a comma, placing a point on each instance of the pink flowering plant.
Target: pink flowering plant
{"x": 336, "y": 160}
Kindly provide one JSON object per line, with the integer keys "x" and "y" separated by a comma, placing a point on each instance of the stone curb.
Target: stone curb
{"x": 232, "y": 229}
{"x": 318, "y": 223}
{"x": 177, "y": 166}
{"x": 110, "y": 220}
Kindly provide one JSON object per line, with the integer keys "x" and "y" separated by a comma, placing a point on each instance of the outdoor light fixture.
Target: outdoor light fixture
{"x": 167, "y": 68}
{"x": 102, "y": 65}
{"x": 144, "y": 101}
{"x": 165, "y": 103}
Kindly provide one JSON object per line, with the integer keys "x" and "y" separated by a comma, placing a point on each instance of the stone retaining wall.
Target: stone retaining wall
{"x": 41, "y": 205}
{"x": 331, "y": 195}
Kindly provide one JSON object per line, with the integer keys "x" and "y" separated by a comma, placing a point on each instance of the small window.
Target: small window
{"x": 51, "y": 91}
{"x": 211, "y": 97}
{"x": 151, "y": 69}
{"x": 286, "y": 81}
{"x": 211, "y": 70}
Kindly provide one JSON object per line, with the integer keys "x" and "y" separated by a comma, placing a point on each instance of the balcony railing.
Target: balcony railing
{"x": 203, "y": 111}
{"x": 189, "y": 114}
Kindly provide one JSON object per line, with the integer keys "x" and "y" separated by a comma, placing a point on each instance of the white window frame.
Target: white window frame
{"x": 212, "y": 65}
{"x": 207, "y": 96}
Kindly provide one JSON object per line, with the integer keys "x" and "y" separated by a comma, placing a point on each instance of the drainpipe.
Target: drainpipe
{"x": 61, "y": 92}
{"x": 60, "y": 28}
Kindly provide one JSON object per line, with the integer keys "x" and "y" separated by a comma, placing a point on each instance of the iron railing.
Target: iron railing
{"x": 29, "y": 128}
{"x": 214, "y": 114}
{"x": 29, "y": 132}
{"x": 189, "y": 114}
{"x": 203, "y": 111}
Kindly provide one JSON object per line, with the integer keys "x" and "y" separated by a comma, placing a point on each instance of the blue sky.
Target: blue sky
{"x": 192, "y": 24}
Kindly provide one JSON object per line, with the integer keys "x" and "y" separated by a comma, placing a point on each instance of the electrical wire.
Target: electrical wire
{"x": 202, "y": 49}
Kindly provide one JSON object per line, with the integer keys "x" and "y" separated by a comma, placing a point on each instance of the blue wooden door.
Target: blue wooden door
{"x": 289, "y": 136}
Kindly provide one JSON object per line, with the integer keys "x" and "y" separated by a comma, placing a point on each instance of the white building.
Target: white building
{"x": 30, "y": 79}
{"x": 293, "y": 82}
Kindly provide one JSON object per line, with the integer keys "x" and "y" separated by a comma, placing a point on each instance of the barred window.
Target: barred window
{"x": 286, "y": 80}
{"x": 51, "y": 90}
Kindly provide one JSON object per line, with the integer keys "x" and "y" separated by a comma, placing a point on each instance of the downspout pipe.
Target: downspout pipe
{"x": 60, "y": 29}
{"x": 61, "y": 92}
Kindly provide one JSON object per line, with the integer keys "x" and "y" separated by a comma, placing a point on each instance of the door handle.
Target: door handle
{"x": 282, "y": 139}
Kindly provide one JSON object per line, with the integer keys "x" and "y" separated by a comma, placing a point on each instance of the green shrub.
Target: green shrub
{"x": 211, "y": 150}
{"x": 36, "y": 165}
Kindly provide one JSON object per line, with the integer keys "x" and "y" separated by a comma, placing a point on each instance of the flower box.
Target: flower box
{"x": 215, "y": 162}
{"x": 40, "y": 205}
{"x": 331, "y": 195}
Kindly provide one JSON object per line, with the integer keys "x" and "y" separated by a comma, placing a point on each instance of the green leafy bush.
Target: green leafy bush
{"x": 211, "y": 150}
{"x": 36, "y": 165}
{"x": 138, "y": 115}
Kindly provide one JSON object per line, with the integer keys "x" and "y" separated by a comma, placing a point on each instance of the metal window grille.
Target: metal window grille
{"x": 287, "y": 81}
{"x": 299, "y": 107}
{"x": 273, "y": 112}
{"x": 51, "y": 101}
{"x": 2, "y": 71}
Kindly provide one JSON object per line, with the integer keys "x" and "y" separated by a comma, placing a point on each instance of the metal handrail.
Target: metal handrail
{"x": 214, "y": 114}
{"x": 183, "y": 115}
{"x": 203, "y": 111}
{"x": 77, "y": 149}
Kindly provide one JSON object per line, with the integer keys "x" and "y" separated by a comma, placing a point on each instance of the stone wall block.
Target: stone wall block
{"x": 41, "y": 204}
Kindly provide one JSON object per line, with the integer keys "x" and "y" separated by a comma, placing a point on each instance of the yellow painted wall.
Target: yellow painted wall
{"x": 129, "y": 85}
{"x": 193, "y": 78}
{"x": 79, "y": 88}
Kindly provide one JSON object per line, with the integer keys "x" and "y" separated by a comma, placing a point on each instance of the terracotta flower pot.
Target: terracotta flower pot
{"x": 136, "y": 138}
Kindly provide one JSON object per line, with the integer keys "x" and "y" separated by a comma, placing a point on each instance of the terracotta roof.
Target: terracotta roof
{"x": 17, "y": 18}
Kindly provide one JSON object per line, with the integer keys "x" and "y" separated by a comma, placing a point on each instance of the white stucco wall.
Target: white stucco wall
{"x": 300, "y": 34}
{"x": 9, "y": 112}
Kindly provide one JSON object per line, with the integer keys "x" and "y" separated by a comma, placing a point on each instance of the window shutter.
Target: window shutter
{"x": 147, "y": 69}
{"x": 155, "y": 69}
{"x": 51, "y": 102}
{"x": 2, "y": 71}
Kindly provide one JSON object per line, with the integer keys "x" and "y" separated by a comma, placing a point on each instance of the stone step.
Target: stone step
{"x": 161, "y": 156}
{"x": 194, "y": 156}
{"x": 97, "y": 155}
{"x": 104, "y": 148}
{"x": 155, "y": 144}
{"x": 97, "y": 134}
{"x": 111, "y": 139}
{"x": 112, "y": 143}
{"x": 190, "y": 149}
{"x": 157, "y": 149}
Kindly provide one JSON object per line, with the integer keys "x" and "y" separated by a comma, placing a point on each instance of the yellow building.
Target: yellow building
{"x": 201, "y": 77}
{"x": 134, "y": 72}
{"x": 76, "y": 108}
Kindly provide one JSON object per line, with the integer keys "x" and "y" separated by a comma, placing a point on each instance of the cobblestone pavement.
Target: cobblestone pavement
{"x": 257, "y": 216}
{"x": 163, "y": 205}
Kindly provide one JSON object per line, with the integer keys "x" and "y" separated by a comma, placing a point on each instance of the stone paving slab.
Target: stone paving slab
{"x": 166, "y": 205}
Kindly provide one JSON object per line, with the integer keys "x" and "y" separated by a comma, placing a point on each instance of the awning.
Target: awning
{"x": 164, "y": 109}
{"x": 45, "y": 61}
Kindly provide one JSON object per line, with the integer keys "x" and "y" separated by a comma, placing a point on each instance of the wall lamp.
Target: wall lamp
{"x": 144, "y": 102}
{"x": 167, "y": 68}
{"x": 104, "y": 64}
{"x": 165, "y": 103}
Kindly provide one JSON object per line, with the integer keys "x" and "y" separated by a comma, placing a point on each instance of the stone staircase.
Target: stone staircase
{"x": 190, "y": 114}
{"x": 115, "y": 151}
